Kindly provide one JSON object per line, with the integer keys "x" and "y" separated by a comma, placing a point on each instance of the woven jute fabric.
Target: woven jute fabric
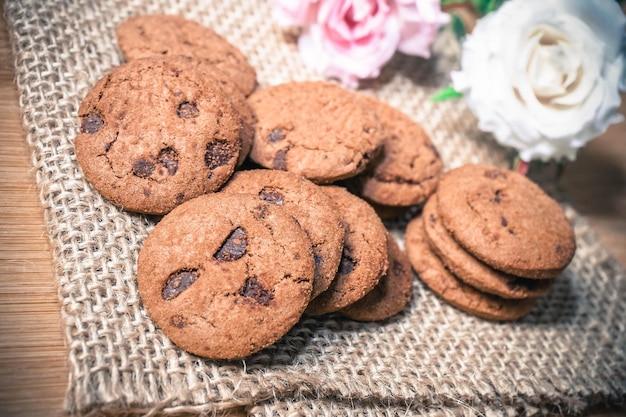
{"x": 568, "y": 354}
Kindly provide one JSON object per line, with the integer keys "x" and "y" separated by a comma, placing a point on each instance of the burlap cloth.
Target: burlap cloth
{"x": 568, "y": 354}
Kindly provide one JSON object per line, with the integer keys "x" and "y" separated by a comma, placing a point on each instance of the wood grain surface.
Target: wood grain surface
{"x": 33, "y": 369}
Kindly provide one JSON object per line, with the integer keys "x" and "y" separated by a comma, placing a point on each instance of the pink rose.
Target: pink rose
{"x": 420, "y": 20}
{"x": 351, "y": 39}
{"x": 294, "y": 12}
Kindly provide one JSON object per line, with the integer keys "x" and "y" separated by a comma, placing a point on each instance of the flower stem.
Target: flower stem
{"x": 520, "y": 165}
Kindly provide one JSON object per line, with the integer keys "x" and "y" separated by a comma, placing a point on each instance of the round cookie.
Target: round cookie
{"x": 407, "y": 171}
{"x": 225, "y": 275}
{"x": 154, "y": 134}
{"x": 472, "y": 271}
{"x": 434, "y": 274}
{"x": 316, "y": 213}
{"x": 391, "y": 294}
{"x": 505, "y": 220}
{"x": 364, "y": 259}
{"x": 315, "y": 129}
{"x": 160, "y": 34}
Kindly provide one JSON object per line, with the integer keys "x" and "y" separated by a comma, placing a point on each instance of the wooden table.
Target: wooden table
{"x": 33, "y": 369}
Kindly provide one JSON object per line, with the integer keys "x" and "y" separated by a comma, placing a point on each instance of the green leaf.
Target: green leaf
{"x": 458, "y": 27}
{"x": 493, "y": 5}
{"x": 447, "y": 93}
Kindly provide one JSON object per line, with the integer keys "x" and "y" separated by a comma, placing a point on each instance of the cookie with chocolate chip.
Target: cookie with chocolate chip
{"x": 225, "y": 275}
{"x": 314, "y": 129}
{"x": 507, "y": 221}
{"x": 472, "y": 271}
{"x": 392, "y": 293}
{"x": 407, "y": 171}
{"x": 442, "y": 282}
{"x": 364, "y": 259}
{"x": 162, "y": 35}
{"x": 311, "y": 207}
{"x": 155, "y": 133}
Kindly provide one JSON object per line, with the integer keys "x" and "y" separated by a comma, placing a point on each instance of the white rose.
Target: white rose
{"x": 543, "y": 75}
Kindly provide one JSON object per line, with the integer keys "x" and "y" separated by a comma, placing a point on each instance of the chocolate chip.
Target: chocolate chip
{"x": 178, "y": 321}
{"x": 559, "y": 249}
{"x": 494, "y": 173}
{"x": 276, "y": 135}
{"x": 146, "y": 192}
{"x": 143, "y": 168}
{"x": 397, "y": 267}
{"x": 271, "y": 196}
{"x": 260, "y": 211}
{"x": 234, "y": 247}
{"x": 497, "y": 197}
{"x": 504, "y": 222}
{"x": 92, "y": 123}
{"x": 348, "y": 263}
{"x": 168, "y": 158}
{"x": 432, "y": 218}
{"x": 252, "y": 288}
{"x": 179, "y": 197}
{"x": 178, "y": 282}
{"x": 280, "y": 160}
{"x": 187, "y": 110}
{"x": 218, "y": 153}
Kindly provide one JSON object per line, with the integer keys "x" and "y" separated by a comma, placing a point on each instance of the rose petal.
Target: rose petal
{"x": 603, "y": 17}
{"x": 420, "y": 21}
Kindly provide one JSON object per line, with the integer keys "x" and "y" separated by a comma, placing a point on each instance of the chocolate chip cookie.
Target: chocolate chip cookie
{"x": 311, "y": 207}
{"x": 155, "y": 133}
{"x": 505, "y": 220}
{"x": 364, "y": 259}
{"x": 160, "y": 34}
{"x": 434, "y": 274}
{"x": 472, "y": 271}
{"x": 225, "y": 275}
{"x": 315, "y": 129}
{"x": 392, "y": 293}
{"x": 408, "y": 169}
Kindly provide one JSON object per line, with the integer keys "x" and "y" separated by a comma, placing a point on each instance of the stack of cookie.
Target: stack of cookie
{"x": 490, "y": 242}
{"x": 229, "y": 273}
{"x": 327, "y": 134}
